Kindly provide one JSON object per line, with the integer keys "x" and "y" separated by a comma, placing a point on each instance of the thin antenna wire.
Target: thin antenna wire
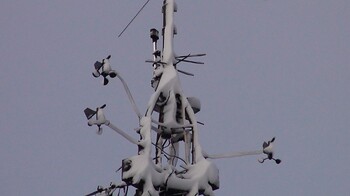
{"x": 144, "y": 5}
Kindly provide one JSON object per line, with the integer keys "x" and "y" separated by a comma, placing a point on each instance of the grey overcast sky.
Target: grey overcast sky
{"x": 273, "y": 68}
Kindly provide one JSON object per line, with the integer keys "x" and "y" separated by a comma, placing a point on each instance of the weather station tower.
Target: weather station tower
{"x": 168, "y": 126}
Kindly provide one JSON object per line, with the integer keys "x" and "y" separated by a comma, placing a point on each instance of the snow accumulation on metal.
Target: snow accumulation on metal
{"x": 166, "y": 170}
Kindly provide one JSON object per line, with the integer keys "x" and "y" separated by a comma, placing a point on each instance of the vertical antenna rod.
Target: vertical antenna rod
{"x": 168, "y": 31}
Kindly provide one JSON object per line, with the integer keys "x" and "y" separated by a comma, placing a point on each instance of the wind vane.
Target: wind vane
{"x": 159, "y": 168}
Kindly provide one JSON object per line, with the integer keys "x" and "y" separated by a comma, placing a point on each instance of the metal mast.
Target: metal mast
{"x": 166, "y": 171}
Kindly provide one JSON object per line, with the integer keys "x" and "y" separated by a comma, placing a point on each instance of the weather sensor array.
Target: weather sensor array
{"x": 159, "y": 168}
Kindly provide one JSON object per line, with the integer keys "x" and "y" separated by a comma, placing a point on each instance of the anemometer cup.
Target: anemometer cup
{"x": 105, "y": 81}
{"x": 112, "y": 74}
{"x": 96, "y": 74}
{"x": 91, "y": 122}
{"x": 99, "y": 131}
